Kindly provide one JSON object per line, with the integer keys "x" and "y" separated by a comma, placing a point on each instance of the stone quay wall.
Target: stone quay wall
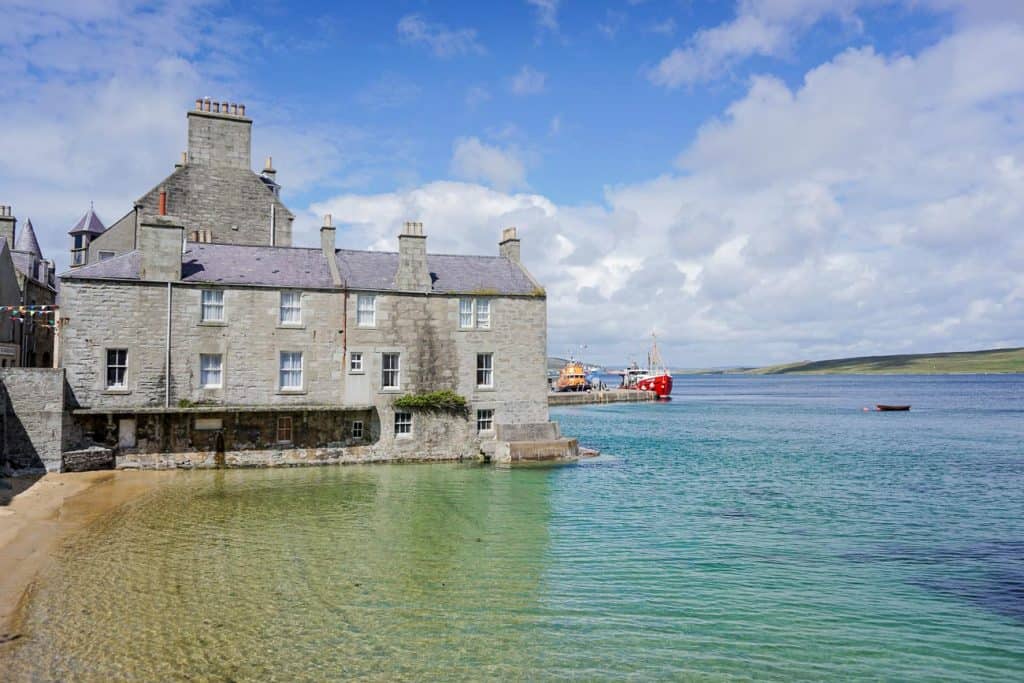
{"x": 36, "y": 425}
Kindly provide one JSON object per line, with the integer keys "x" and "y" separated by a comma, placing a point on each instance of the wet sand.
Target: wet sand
{"x": 41, "y": 513}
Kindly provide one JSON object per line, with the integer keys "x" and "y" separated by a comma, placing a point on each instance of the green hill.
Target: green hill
{"x": 959, "y": 362}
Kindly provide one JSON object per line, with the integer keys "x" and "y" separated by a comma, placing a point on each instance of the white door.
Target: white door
{"x": 126, "y": 433}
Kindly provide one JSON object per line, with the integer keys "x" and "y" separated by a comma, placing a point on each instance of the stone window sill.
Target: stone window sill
{"x": 212, "y": 323}
{"x": 291, "y": 392}
{"x": 116, "y": 392}
{"x": 292, "y": 326}
{"x": 390, "y": 391}
{"x": 357, "y": 372}
{"x": 484, "y": 390}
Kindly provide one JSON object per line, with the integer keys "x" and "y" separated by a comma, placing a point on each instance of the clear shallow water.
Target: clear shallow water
{"x": 752, "y": 527}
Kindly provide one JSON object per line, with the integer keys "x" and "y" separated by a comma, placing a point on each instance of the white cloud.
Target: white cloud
{"x": 546, "y": 12}
{"x": 769, "y": 28}
{"x": 475, "y": 160}
{"x": 98, "y": 113}
{"x": 441, "y": 40}
{"x": 528, "y": 81}
{"x": 389, "y": 91}
{"x": 875, "y": 208}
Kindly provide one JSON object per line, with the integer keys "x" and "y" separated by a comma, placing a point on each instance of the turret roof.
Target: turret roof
{"x": 89, "y": 223}
{"x": 27, "y": 240}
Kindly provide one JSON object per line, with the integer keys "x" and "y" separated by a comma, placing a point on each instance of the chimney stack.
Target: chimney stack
{"x": 269, "y": 171}
{"x": 219, "y": 134}
{"x": 160, "y": 243}
{"x": 163, "y": 202}
{"x": 7, "y": 225}
{"x": 413, "y": 273}
{"x": 327, "y": 234}
{"x": 509, "y": 244}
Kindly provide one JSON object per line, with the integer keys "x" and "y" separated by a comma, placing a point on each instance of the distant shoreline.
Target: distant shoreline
{"x": 1006, "y": 361}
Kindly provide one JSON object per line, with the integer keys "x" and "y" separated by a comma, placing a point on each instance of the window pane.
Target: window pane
{"x": 484, "y": 369}
{"x": 291, "y": 308}
{"x": 117, "y": 368}
{"x": 483, "y": 313}
{"x": 355, "y": 361}
{"x": 366, "y": 310}
{"x": 213, "y": 305}
{"x": 357, "y": 429}
{"x": 484, "y": 420}
{"x": 284, "y": 429}
{"x": 291, "y": 370}
{"x": 210, "y": 374}
{"x": 403, "y": 423}
{"x": 389, "y": 372}
{"x": 465, "y": 313}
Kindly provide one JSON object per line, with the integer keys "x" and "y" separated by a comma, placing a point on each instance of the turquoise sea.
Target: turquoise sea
{"x": 750, "y": 528}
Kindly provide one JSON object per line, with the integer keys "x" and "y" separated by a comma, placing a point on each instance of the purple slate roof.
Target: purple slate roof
{"x": 90, "y": 223}
{"x": 306, "y": 268}
{"x": 27, "y": 240}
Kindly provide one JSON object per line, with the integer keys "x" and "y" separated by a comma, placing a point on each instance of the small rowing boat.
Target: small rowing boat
{"x": 885, "y": 409}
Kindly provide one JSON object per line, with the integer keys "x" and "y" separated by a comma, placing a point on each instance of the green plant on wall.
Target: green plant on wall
{"x": 444, "y": 400}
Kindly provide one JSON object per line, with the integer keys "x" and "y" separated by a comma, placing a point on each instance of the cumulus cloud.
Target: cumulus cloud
{"x": 874, "y": 208}
{"x": 769, "y": 28}
{"x": 99, "y": 114}
{"x": 475, "y": 160}
{"x": 442, "y": 41}
{"x": 528, "y": 81}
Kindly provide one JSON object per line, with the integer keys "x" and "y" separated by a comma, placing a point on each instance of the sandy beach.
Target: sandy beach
{"x": 36, "y": 513}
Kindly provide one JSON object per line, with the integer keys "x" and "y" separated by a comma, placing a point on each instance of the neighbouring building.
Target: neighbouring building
{"x": 27, "y": 280}
{"x": 194, "y": 334}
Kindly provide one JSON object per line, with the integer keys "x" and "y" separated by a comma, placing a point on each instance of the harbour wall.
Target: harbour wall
{"x": 575, "y": 398}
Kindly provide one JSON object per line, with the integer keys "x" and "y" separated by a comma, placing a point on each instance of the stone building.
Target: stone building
{"x": 26, "y": 279}
{"x": 206, "y": 338}
{"x": 212, "y": 191}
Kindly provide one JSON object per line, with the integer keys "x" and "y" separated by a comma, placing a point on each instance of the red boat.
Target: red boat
{"x": 658, "y": 379}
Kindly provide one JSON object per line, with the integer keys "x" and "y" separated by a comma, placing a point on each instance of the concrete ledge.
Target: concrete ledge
{"x": 555, "y": 450}
{"x": 285, "y": 457}
{"x": 575, "y": 398}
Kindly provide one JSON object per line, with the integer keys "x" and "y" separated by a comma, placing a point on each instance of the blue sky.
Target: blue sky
{"x": 760, "y": 181}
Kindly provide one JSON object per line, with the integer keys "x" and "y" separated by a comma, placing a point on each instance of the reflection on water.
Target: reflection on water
{"x": 751, "y": 528}
{"x": 300, "y": 574}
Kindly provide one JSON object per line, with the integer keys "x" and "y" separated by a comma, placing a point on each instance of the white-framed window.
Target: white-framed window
{"x": 483, "y": 313}
{"x": 485, "y": 420}
{"x": 390, "y": 370}
{"x": 474, "y": 313}
{"x": 485, "y": 370}
{"x": 117, "y": 368}
{"x": 465, "y": 313}
{"x": 291, "y": 308}
{"x": 291, "y": 370}
{"x": 357, "y": 429}
{"x": 78, "y": 257}
{"x": 403, "y": 423}
{"x": 104, "y": 255}
{"x": 211, "y": 370}
{"x": 284, "y": 429}
{"x": 366, "y": 310}
{"x": 355, "y": 361}
{"x": 213, "y": 306}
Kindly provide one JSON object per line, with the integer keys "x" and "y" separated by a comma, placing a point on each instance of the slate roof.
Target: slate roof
{"x": 306, "y": 268}
{"x": 27, "y": 240}
{"x": 90, "y": 223}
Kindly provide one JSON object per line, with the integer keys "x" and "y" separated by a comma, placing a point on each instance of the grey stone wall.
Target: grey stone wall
{"x": 105, "y": 315}
{"x": 232, "y": 203}
{"x": 35, "y": 425}
{"x": 423, "y": 329}
{"x": 118, "y": 238}
{"x": 219, "y": 139}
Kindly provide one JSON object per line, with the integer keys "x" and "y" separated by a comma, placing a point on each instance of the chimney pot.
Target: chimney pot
{"x": 328, "y": 220}
{"x": 241, "y": 110}
{"x": 206, "y": 104}
{"x": 269, "y": 165}
{"x": 199, "y": 104}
